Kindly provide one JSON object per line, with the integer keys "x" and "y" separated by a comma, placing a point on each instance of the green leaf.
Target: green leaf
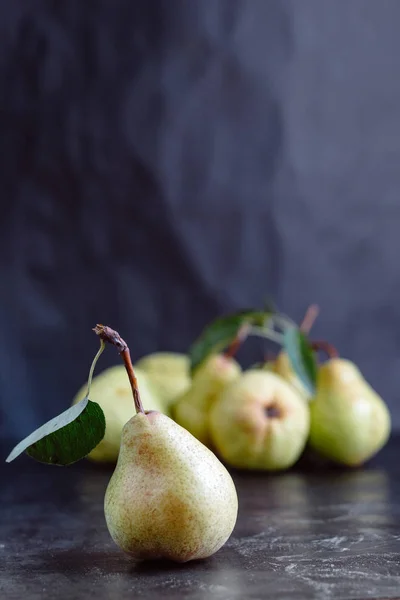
{"x": 222, "y": 332}
{"x": 301, "y": 356}
{"x": 67, "y": 438}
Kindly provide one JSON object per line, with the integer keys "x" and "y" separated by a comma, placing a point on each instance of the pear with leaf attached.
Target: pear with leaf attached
{"x": 259, "y": 422}
{"x": 169, "y": 496}
{"x": 192, "y": 409}
{"x": 112, "y": 392}
{"x": 168, "y": 373}
{"x": 350, "y": 422}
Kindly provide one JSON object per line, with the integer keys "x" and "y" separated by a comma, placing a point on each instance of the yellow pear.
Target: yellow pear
{"x": 169, "y": 374}
{"x": 191, "y": 410}
{"x": 259, "y": 422}
{"x": 112, "y": 391}
{"x": 349, "y": 421}
{"x": 169, "y": 497}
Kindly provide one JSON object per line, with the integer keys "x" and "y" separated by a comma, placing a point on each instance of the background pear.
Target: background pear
{"x": 169, "y": 374}
{"x": 259, "y": 422}
{"x": 112, "y": 391}
{"x": 169, "y": 497}
{"x": 192, "y": 409}
{"x": 349, "y": 421}
{"x": 282, "y": 366}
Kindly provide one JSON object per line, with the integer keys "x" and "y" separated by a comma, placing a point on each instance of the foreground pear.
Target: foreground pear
{"x": 168, "y": 373}
{"x": 169, "y": 497}
{"x": 349, "y": 421}
{"x": 111, "y": 390}
{"x": 192, "y": 409}
{"x": 259, "y": 422}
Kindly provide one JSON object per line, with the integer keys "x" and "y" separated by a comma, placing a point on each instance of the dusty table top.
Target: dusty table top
{"x": 303, "y": 534}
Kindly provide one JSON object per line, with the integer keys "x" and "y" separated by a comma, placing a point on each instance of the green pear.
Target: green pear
{"x": 259, "y": 422}
{"x": 112, "y": 391}
{"x": 282, "y": 366}
{"x": 349, "y": 421}
{"x": 192, "y": 409}
{"x": 169, "y": 497}
{"x": 169, "y": 374}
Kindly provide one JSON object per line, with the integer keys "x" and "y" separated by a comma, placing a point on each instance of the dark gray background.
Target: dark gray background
{"x": 165, "y": 161}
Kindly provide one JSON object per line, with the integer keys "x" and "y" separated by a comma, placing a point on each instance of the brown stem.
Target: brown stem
{"x": 112, "y": 337}
{"x": 325, "y": 347}
{"x": 312, "y": 313}
{"x": 237, "y": 342}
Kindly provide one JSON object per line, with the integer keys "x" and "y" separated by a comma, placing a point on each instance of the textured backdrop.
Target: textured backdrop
{"x": 165, "y": 161}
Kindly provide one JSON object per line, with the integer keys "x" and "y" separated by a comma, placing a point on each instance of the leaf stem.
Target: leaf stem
{"x": 112, "y": 337}
{"x": 96, "y": 358}
{"x": 274, "y": 336}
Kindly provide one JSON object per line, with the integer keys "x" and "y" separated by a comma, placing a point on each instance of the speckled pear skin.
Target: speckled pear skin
{"x": 169, "y": 497}
{"x": 245, "y": 436}
{"x": 192, "y": 409}
{"x": 349, "y": 421}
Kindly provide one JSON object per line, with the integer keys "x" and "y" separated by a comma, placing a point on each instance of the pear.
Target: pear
{"x": 191, "y": 410}
{"x": 169, "y": 497}
{"x": 169, "y": 374}
{"x": 349, "y": 421}
{"x": 282, "y": 366}
{"x": 111, "y": 390}
{"x": 259, "y": 422}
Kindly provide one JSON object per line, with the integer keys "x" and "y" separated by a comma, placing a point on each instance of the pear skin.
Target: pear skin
{"x": 349, "y": 421}
{"x": 281, "y": 366}
{"x": 259, "y": 422}
{"x": 191, "y": 410}
{"x": 112, "y": 391}
{"x": 169, "y": 374}
{"x": 169, "y": 497}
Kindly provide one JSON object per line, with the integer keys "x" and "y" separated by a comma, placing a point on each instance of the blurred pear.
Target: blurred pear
{"x": 259, "y": 422}
{"x": 282, "y": 366}
{"x": 349, "y": 421}
{"x": 191, "y": 410}
{"x": 169, "y": 374}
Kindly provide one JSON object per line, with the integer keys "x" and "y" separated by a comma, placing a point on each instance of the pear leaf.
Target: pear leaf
{"x": 301, "y": 356}
{"x": 222, "y": 332}
{"x": 67, "y": 438}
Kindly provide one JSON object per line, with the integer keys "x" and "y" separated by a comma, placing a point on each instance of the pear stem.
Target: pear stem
{"x": 308, "y": 321}
{"x": 241, "y": 336}
{"x": 325, "y": 347}
{"x": 112, "y": 337}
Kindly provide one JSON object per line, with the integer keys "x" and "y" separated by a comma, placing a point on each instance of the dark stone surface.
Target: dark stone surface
{"x": 310, "y": 533}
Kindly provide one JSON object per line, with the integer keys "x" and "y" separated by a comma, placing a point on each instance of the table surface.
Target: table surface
{"x": 309, "y": 533}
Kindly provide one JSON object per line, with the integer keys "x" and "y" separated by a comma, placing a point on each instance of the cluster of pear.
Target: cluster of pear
{"x": 261, "y": 418}
{"x": 170, "y": 496}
